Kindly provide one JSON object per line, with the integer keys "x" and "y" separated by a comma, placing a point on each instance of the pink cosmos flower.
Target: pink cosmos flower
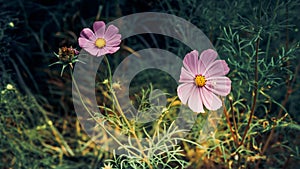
{"x": 103, "y": 41}
{"x": 203, "y": 80}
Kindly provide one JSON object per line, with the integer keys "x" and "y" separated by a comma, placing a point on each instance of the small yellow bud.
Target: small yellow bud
{"x": 116, "y": 86}
{"x": 108, "y": 166}
{"x": 11, "y": 24}
{"x": 164, "y": 109}
{"x": 105, "y": 81}
{"x": 50, "y": 123}
{"x": 9, "y": 87}
{"x": 236, "y": 157}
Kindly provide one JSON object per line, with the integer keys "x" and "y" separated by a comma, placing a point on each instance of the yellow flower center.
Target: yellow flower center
{"x": 100, "y": 42}
{"x": 200, "y": 80}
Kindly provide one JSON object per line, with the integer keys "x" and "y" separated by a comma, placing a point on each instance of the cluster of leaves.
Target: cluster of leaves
{"x": 30, "y": 138}
{"x": 32, "y": 132}
{"x": 260, "y": 42}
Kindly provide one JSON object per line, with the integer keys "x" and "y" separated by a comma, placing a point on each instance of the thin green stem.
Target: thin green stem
{"x": 115, "y": 99}
{"x": 234, "y": 121}
{"x": 90, "y": 113}
{"x": 254, "y": 94}
{"x": 268, "y": 45}
{"x": 288, "y": 92}
{"x": 119, "y": 109}
{"x": 229, "y": 123}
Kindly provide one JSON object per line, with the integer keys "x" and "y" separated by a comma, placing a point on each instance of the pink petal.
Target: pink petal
{"x": 201, "y": 67}
{"x": 76, "y": 51}
{"x": 99, "y": 29}
{"x": 210, "y": 100}
{"x": 184, "y": 92}
{"x": 206, "y": 58}
{"x": 115, "y": 37}
{"x": 112, "y": 49}
{"x": 190, "y": 62}
{"x": 226, "y": 68}
{"x": 110, "y": 32}
{"x": 186, "y": 77}
{"x": 92, "y": 50}
{"x": 88, "y": 34}
{"x": 84, "y": 43}
{"x": 113, "y": 43}
{"x": 195, "y": 101}
{"x": 217, "y": 68}
{"x": 102, "y": 51}
{"x": 219, "y": 85}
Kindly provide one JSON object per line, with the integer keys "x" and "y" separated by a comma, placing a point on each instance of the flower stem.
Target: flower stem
{"x": 234, "y": 121}
{"x": 254, "y": 94}
{"x": 283, "y": 103}
{"x": 93, "y": 117}
{"x": 229, "y": 124}
{"x": 119, "y": 109}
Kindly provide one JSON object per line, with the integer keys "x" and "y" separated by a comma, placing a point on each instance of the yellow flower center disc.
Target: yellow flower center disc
{"x": 200, "y": 80}
{"x": 100, "y": 42}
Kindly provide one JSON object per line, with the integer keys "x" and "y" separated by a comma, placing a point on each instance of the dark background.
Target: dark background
{"x": 32, "y": 30}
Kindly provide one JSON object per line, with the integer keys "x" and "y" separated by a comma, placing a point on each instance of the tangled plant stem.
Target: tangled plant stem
{"x": 131, "y": 128}
{"x": 229, "y": 124}
{"x": 284, "y": 102}
{"x": 90, "y": 113}
{"x": 254, "y": 93}
{"x": 234, "y": 122}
